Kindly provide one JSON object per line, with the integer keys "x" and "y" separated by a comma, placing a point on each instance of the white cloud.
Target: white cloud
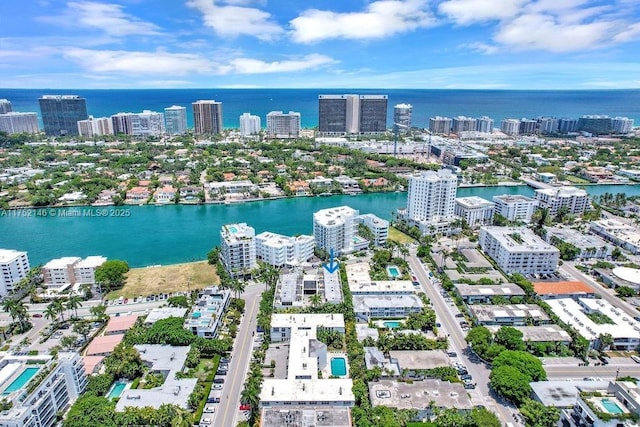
{"x": 482, "y": 47}
{"x": 255, "y": 66}
{"x": 628, "y": 34}
{"x": 179, "y": 64}
{"x": 380, "y": 19}
{"x": 543, "y": 32}
{"x": 120, "y": 61}
{"x": 107, "y": 17}
{"x": 465, "y": 12}
{"x": 231, "y": 20}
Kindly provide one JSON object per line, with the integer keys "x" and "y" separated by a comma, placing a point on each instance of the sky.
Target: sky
{"x": 430, "y": 44}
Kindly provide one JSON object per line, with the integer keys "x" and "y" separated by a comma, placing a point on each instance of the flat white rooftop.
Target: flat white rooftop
{"x": 61, "y": 262}
{"x": 334, "y": 390}
{"x": 567, "y": 191}
{"x": 91, "y": 262}
{"x": 473, "y": 202}
{"x": 360, "y": 282}
{"x": 283, "y": 320}
{"x": 518, "y": 239}
{"x": 573, "y": 313}
{"x": 8, "y": 255}
{"x": 334, "y": 216}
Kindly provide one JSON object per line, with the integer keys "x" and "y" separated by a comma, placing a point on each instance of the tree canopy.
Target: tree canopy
{"x": 111, "y": 274}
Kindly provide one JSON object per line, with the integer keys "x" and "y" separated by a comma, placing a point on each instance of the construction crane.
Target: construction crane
{"x": 396, "y": 130}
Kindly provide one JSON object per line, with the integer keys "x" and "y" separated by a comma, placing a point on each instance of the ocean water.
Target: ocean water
{"x": 497, "y": 104}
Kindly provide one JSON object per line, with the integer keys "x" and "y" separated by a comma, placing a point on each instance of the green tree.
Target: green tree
{"x": 124, "y": 362}
{"x": 68, "y": 341}
{"x": 482, "y": 417}
{"x": 510, "y": 338}
{"x": 625, "y": 292}
{"x": 213, "y": 255}
{"x": 524, "y": 362}
{"x": 73, "y": 303}
{"x": 91, "y": 411}
{"x": 538, "y": 415}
{"x": 111, "y": 274}
{"x": 510, "y": 383}
{"x": 99, "y": 312}
{"x": 58, "y": 307}
{"x": 83, "y": 328}
{"x": 178, "y": 301}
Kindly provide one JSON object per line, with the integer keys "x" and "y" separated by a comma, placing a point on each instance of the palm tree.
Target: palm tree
{"x": 315, "y": 300}
{"x": 74, "y": 303}
{"x": 58, "y": 307}
{"x": 9, "y": 306}
{"x": 22, "y": 314}
{"x": 99, "y": 312}
{"x": 181, "y": 419}
{"x": 404, "y": 251}
{"x": 50, "y": 313}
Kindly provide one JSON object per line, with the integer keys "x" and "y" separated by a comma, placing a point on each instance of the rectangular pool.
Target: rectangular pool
{"x": 338, "y": 366}
{"x": 22, "y": 379}
{"x": 611, "y": 407}
{"x": 393, "y": 271}
{"x": 392, "y": 324}
{"x": 117, "y": 390}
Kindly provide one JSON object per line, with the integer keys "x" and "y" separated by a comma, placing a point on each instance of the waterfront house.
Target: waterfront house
{"x": 138, "y": 195}
{"x": 164, "y": 195}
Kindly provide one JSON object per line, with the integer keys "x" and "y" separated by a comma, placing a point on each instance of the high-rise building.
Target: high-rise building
{"x": 207, "y": 117}
{"x": 373, "y": 114}
{"x": 510, "y": 126}
{"x": 5, "y": 106}
{"x": 622, "y": 124}
{"x": 439, "y": 124}
{"x": 335, "y": 229}
{"x": 402, "y": 115}
{"x": 463, "y": 124}
{"x": 597, "y": 125}
{"x": 567, "y": 125}
{"x": 175, "y": 119}
{"x": 14, "y": 266}
{"x": 281, "y": 125}
{"x": 432, "y": 195}
{"x": 515, "y": 207}
{"x": 249, "y": 124}
{"x": 352, "y": 114}
{"x": 528, "y": 127}
{"x": 13, "y": 122}
{"x": 548, "y": 125}
{"x": 238, "y": 249}
{"x": 95, "y": 126}
{"x": 61, "y": 113}
{"x": 147, "y": 123}
{"x": 278, "y": 250}
{"x": 484, "y": 124}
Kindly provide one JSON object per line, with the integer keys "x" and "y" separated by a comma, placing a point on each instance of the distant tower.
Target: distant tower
{"x": 352, "y": 114}
{"x": 432, "y": 195}
{"x": 281, "y": 125}
{"x": 402, "y": 114}
{"x": 175, "y": 118}
{"x": 61, "y": 113}
{"x": 5, "y": 106}
{"x": 207, "y": 117}
{"x": 249, "y": 124}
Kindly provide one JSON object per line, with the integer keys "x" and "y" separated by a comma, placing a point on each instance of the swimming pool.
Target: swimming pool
{"x": 393, "y": 271}
{"x": 611, "y": 407}
{"x": 338, "y": 366}
{"x": 22, "y": 379}
{"x": 392, "y": 324}
{"x": 116, "y": 390}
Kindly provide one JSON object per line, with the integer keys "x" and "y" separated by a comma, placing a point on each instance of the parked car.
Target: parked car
{"x": 469, "y": 386}
{"x": 218, "y": 380}
{"x": 245, "y": 407}
{"x": 209, "y": 409}
{"x": 37, "y": 314}
{"x": 452, "y": 354}
{"x": 213, "y": 400}
{"x": 221, "y": 372}
{"x": 217, "y": 387}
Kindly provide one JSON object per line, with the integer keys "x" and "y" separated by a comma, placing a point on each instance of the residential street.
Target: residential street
{"x": 482, "y": 395}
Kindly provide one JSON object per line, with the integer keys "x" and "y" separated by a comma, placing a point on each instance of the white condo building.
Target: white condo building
{"x": 402, "y": 115}
{"x": 281, "y": 125}
{"x": 51, "y": 386}
{"x": 432, "y": 195}
{"x": 175, "y": 120}
{"x": 14, "y": 266}
{"x": 510, "y": 126}
{"x": 146, "y": 123}
{"x": 622, "y": 124}
{"x": 5, "y": 106}
{"x": 515, "y": 207}
{"x": 61, "y": 273}
{"x": 378, "y": 226}
{"x": 13, "y": 122}
{"x": 439, "y": 124}
{"x": 278, "y": 250}
{"x": 619, "y": 233}
{"x": 574, "y": 199}
{"x": 484, "y": 124}
{"x": 475, "y": 210}
{"x": 463, "y": 124}
{"x": 519, "y": 250}
{"x": 335, "y": 229}
{"x": 249, "y": 124}
{"x": 95, "y": 126}
{"x": 238, "y": 249}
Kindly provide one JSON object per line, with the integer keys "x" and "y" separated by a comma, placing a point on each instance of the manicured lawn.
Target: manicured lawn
{"x": 398, "y": 236}
{"x": 576, "y": 180}
{"x": 169, "y": 278}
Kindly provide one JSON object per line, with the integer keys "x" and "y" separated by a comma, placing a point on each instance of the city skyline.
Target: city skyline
{"x": 450, "y": 44}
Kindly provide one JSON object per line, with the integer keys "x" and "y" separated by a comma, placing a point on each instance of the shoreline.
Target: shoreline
{"x": 239, "y": 202}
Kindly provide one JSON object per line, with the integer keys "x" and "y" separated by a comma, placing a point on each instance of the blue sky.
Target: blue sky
{"x": 449, "y": 44}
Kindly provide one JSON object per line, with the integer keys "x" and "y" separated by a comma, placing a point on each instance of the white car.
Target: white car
{"x": 209, "y": 409}
{"x": 205, "y": 421}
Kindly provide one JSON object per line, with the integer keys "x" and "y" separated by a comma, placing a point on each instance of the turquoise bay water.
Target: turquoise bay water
{"x": 21, "y": 380}
{"x": 172, "y": 234}
{"x": 338, "y": 366}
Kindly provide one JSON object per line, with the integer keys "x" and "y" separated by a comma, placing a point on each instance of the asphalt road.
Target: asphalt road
{"x": 445, "y": 312}
{"x": 229, "y": 405}
{"x": 607, "y": 372}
